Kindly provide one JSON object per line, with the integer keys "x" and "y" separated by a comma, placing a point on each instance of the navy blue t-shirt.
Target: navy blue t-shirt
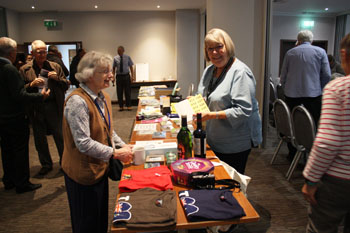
{"x": 203, "y": 205}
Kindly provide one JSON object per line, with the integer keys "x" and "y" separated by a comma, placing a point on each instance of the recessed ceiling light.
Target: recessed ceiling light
{"x": 96, "y": 6}
{"x": 158, "y": 6}
{"x": 33, "y": 7}
{"x": 326, "y": 9}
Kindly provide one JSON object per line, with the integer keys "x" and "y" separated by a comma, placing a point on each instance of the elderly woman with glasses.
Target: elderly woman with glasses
{"x": 89, "y": 143}
{"x": 228, "y": 85}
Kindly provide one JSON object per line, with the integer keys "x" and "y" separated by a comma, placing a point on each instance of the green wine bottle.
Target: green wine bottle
{"x": 184, "y": 140}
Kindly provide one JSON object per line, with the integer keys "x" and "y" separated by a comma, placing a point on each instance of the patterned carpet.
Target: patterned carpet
{"x": 279, "y": 202}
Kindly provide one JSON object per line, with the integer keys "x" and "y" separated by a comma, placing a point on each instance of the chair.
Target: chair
{"x": 304, "y": 133}
{"x": 272, "y": 99}
{"x": 280, "y": 92}
{"x": 283, "y": 124}
{"x": 190, "y": 90}
{"x": 273, "y": 95}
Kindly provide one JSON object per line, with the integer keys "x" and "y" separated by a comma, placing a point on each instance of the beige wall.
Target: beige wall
{"x": 148, "y": 37}
{"x": 187, "y": 49}
{"x": 13, "y": 25}
{"x": 244, "y": 21}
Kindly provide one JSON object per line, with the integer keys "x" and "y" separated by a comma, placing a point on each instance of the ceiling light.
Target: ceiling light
{"x": 158, "y": 6}
{"x": 326, "y": 9}
{"x": 33, "y": 7}
{"x": 96, "y": 6}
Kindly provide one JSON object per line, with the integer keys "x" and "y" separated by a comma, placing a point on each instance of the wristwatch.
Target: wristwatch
{"x": 310, "y": 183}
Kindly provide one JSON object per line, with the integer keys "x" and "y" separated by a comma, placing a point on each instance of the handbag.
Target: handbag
{"x": 115, "y": 166}
{"x": 115, "y": 169}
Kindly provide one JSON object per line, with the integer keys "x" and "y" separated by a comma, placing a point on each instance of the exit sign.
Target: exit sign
{"x": 50, "y": 23}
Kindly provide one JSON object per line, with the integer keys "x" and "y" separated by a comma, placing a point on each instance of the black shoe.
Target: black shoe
{"x": 9, "y": 186}
{"x": 27, "y": 188}
{"x": 44, "y": 170}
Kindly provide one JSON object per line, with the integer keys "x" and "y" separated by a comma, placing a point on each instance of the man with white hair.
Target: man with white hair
{"x": 46, "y": 117}
{"x": 304, "y": 74}
{"x": 14, "y": 129}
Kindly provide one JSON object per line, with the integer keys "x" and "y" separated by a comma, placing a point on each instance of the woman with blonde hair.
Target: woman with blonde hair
{"x": 228, "y": 85}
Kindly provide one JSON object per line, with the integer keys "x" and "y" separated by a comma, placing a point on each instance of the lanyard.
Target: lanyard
{"x": 212, "y": 86}
{"x": 103, "y": 116}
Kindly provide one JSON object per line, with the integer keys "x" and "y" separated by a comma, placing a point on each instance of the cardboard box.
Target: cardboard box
{"x": 161, "y": 149}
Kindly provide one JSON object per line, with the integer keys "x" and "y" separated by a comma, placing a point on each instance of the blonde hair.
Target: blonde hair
{"x": 217, "y": 35}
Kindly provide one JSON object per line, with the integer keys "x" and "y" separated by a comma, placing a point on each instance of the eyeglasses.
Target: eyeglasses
{"x": 217, "y": 48}
{"x": 106, "y": 71}
{"x": 41, "y": 52}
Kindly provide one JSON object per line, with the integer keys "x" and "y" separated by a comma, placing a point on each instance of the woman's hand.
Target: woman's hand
{"x": 124, "y": 154}
{"x": 208, "y": 116}
{"x": 309, "y": 193}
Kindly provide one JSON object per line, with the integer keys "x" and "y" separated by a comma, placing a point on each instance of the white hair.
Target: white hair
{"x": 38, "y": 43}
{"x": 7, "y": 45}
{"x": 305, "y": 36}
{"x": 89, "y": 62}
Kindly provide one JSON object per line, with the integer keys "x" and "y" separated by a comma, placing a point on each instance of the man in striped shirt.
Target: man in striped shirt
{"x": 327, "y": 171}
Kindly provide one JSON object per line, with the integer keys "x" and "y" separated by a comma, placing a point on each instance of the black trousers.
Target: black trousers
{"x": 88, "y": 206}
{"x": 124, "y": 86}
{"x": 312, "y": 104}
{"x": 46, "y": 120}
{"x": 236, "y": 160}
{"x": 14, "y": 152}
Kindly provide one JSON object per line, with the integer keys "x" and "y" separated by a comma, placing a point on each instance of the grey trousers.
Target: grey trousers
{"x": 333, "y": 206}
{"x": 45, "y": 119}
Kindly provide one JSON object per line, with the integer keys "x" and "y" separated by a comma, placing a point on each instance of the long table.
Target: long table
{"x": 182, "y": 223}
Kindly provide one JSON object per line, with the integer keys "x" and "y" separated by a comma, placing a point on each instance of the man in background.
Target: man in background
{"x": 45, "y": 117}
{"x": 74, "y": 67}
{"x": 122, "y": 66}
{"x": 305, "y": 72}
{"x": 14, "y": 129}
{"x": 55, "y": 56}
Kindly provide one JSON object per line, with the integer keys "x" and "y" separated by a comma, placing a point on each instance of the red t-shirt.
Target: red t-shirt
{"x": 156, "y": 177}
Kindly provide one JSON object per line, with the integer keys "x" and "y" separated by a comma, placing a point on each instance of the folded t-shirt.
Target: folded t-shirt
{"x": 201, "y": 205}
{"x": 146, "y": 208}
{"x": 156, "y": 177}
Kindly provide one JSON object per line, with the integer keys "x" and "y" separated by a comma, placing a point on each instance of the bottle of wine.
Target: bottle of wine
{"x": 199, "y": 142}
{"x": 184, "y": 140}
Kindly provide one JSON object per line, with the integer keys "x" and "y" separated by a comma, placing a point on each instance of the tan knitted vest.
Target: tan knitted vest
{"x": 82, "y": 168}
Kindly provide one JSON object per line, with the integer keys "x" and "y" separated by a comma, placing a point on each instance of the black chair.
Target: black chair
{"x": 304, "y": 133}
{"x": 272, "y": 99}
{"x": 280, "y": 92}
{"x": 283, "y": 124}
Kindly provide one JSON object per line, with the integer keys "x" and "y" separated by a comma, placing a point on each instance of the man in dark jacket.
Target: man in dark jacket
{"x": 45, "y": 117}
{"x": 55, "y": 56}
{"x": 14, "y": 129}
{"x": 74, "y": 67}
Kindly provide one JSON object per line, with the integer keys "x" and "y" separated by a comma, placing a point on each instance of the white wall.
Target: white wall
{"x": 148, "y": 37}
{"x": 287, "y": 28}
{"x": 187, "y": 48}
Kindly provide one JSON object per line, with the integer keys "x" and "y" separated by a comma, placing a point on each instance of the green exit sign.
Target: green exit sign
{"x": 50, "y": 23}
